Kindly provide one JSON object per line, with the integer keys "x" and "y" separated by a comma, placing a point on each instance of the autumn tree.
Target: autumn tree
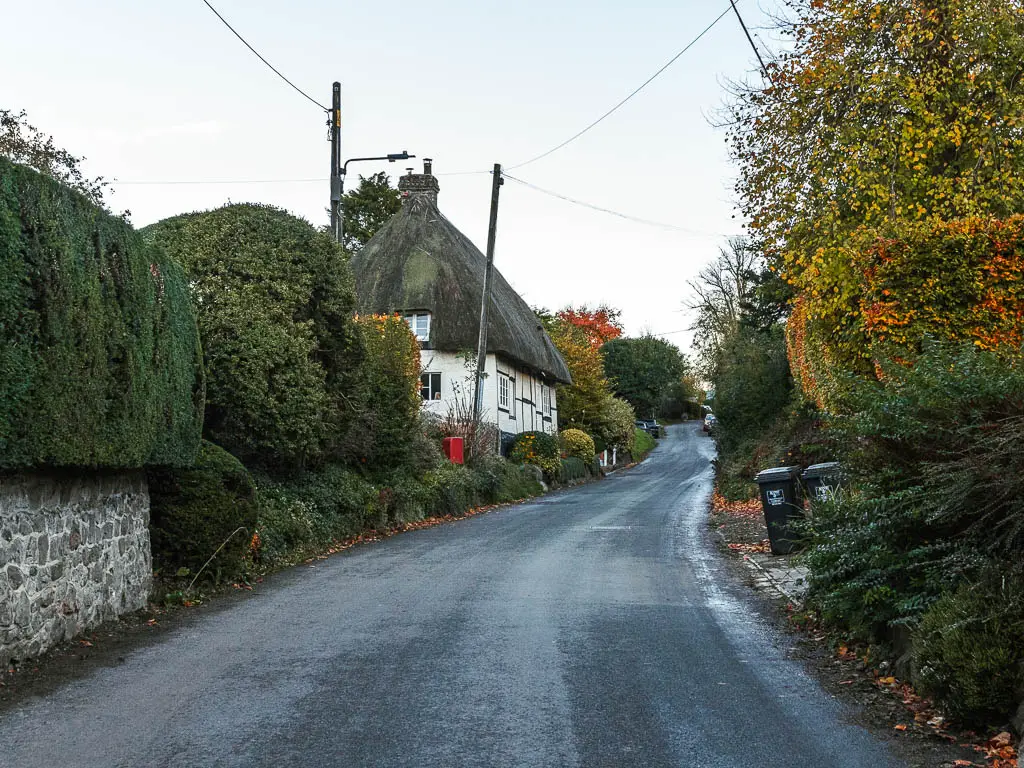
{"x": 367, "y": 208}
{"x": 600, "y": 324}
{"x": 883, "y": 115}
{"x": 588, "y": 403}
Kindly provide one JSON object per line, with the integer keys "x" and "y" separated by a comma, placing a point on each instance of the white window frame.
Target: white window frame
{"x": 504, "y": 392}
{"x": 415, "y": 321}
{"x": 545, "y": 399}
{"x": 432, "y": 394}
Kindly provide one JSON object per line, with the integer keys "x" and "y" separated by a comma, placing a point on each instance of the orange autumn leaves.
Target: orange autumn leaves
{"x": 881, "y": 162}
{"x": 958, "y": 281}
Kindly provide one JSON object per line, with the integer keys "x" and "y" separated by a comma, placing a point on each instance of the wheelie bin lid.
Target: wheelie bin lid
{"x": 777, "y": 474}
{"x": 826, "y": 469}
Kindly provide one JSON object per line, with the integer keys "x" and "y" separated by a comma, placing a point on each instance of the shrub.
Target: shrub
{"x": 577, "y": 443}
{"x": 572, "y": 470}
{"x": 454, "y": 489}
{"x": 969, "y": 651}
{"x": 387, "y": 417}
{"x": 616, "y": 425}
{"x": 274, "y": 299}
{"x": 538, "y": 448}
{"x": 311, "y": 510}
{"x": 195, "y": 510}
{"x": 99, "y": 355}
{"x": 500, "y": 481}
{"x": 936, "y": 452}
{"x": 875, "y": 564}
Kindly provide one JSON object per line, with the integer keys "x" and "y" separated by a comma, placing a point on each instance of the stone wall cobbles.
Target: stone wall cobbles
{"x": 74, "y": 552}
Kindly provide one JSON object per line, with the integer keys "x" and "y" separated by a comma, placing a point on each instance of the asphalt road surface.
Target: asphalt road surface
{"x": 593, "y": 627}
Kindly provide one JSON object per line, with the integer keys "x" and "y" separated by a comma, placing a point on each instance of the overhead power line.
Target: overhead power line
{"x": 610, "y": 212}
{"x": 168, "y": 182}
{"x": 614, "y": 109}
{"x": 260, "y": 57}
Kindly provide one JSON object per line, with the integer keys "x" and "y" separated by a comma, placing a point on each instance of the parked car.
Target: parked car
{"x": 650, "y": 426}
{"x": 709, "y": 422}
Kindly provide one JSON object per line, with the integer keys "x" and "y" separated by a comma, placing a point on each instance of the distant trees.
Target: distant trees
{"x": 642, "y": 370}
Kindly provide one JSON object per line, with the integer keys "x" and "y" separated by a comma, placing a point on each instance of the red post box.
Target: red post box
{"x": 452, "y": 447}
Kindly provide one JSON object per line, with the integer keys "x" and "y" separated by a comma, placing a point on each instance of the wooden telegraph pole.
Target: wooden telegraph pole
{"x": 335, "y": 133}
{"x": 481, "y": 347}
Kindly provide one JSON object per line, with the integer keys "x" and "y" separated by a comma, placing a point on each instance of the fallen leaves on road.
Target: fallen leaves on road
{"x": 1000, "y": 750}
{"x": 762, "y": 547}
{"x": 746, "y": 508}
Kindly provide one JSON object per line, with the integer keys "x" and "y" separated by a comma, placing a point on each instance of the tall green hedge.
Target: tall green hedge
{"x": 274, "y": 300}
{"x": 100, "y": 364}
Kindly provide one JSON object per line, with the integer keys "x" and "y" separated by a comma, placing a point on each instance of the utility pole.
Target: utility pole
{"x": 746, "y": 31}
{"x": 481, "y": 346}
{"x": 335, "y": 123}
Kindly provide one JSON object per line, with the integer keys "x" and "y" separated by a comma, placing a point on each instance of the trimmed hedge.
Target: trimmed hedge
{"x": 194, "y": 511}
{"x": 274, "y": 299}
{"x": 100, "y": 364}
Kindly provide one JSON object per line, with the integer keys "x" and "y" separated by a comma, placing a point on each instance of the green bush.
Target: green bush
{"x": 454, "y": 489}
{"x": 538, "y": 448}
{"x": 969, "y": 651}
{"x": 572, "y": 470}
{"x": 100, "y": 363}
{"x": 500, "y": 481}
{"x": 274, "y": 299}
{"x": 577, "y": 443}
{"x": 875, "y": 564}
{"x": 385, "y": 431}
{"x": 312, "y": 509}
{"x": 643, "y": 444}
{"x": 193, "y": 511}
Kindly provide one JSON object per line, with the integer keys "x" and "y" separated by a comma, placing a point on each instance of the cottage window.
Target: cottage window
{"x": 430, "y": 386}
{"x": 504, "y": 391}
{"x": 419, "y": 323}
{"x": 545, "y": 398}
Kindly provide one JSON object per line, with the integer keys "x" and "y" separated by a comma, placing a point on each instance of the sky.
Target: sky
{"x": 158, "y": 92}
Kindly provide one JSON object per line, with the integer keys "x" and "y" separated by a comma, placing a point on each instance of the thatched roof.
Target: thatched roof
{"x": 419, "y": 261}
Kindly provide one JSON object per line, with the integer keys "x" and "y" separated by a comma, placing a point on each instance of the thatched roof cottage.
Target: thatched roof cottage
{"x": 422, "y": 267}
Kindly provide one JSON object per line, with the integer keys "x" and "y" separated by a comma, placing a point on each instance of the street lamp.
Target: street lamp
{"x": 403, "y": 155}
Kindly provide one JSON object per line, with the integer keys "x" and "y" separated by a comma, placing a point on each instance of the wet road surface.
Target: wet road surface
{"x": 593, "y": 627}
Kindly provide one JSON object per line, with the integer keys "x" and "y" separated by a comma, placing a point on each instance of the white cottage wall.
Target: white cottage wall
{"x": 526, "y": 412}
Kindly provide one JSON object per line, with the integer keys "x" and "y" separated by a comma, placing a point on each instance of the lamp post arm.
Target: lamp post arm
{"x": 341, "y": 185}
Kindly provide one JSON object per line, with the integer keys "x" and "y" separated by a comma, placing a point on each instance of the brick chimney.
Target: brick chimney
{"x": 420, "y": 186}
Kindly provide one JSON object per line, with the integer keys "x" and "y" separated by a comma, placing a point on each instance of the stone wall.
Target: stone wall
{"x": 74, "y": 552}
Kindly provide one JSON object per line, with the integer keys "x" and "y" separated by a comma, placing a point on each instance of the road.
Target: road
{"x": 592, "y": 627}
